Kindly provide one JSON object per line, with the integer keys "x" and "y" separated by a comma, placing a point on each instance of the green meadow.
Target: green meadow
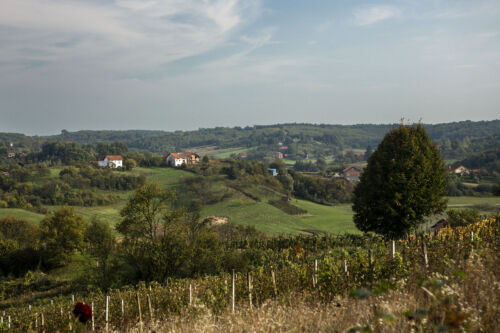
{"x": 240, "y": 209}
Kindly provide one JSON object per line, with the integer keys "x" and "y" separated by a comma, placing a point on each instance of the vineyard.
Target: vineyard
{"x": 328, "y": 277}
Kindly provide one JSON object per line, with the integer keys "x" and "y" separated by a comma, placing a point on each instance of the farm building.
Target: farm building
{"x": 110, "y": 161}
{"x": 178, "y": 159}
{"x": 351, "y": 173}
{"x": 458, "y": 169}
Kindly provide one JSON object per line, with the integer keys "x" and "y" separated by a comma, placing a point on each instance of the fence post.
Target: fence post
{"x": 107, "y": 312}
{"x": 345, "y": 267}
{"x": 139, "y": 310}
{"x": 123, "y": 310}
{"x": 42, "y": 322}
{"x": 70, "y": 322}
{"x": 424, "y": 252}
{"x": 273, "y": 275}
{"x": 250, "y": 287}
{"x": 233, "y": 294}
{"x": 72, "y": 299}
{"x": 472, "y": 236}
{"x": 93, "y": 315}
{"x": 190, "y": 295}
{"x": 149, "y": 307}
{"x": 36, "y": 321}
{"x": 393, "y": 249}
{"x": 315, "y": 275}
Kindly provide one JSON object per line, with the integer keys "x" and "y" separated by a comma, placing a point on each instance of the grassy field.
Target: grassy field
{"x": 167, "y": 177}
{"x": 240, "y": 209}
{"x": 21, "y": 214}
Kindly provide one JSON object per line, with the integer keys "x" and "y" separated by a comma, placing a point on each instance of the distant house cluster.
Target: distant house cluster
{"x": 110, "y": 161}
{"x": 459, "y": 169}
{"x": 178, "y": 159}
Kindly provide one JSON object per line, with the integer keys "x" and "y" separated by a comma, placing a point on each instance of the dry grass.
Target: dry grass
{"x": 468, "y": 301}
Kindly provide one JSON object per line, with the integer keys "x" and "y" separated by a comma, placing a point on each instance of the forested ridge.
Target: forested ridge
{"x": 455, "y": 138}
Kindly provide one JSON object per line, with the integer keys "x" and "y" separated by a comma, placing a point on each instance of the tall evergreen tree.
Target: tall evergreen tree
{"x": 404, "y": 181}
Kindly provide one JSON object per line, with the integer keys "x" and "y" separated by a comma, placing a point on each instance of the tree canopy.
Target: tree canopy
{"x": 404, "y": 181}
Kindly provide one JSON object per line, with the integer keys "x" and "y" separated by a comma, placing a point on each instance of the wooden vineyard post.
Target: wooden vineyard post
{"x": 123, "y": 309}
{"x": 93, "y": 315}
{"x": 139, "y": 311}
{"x": 70, "y": 322}
{"x": 150, "y": 309}
{"x": 233, "y": 294}
{"x": 345, "y": 267}
{"x": 424, "y": 253}
{"x": 36, "y": 321}
{"x": 273, "y": 275}
{"x": 472, "y": 236}
{"x": 315, "y": 274}
{"x": 190, "y": 295}
{"x": 72, "y": 299}
{"x": 107, "y": 312}
{"x": 250, "y": 287}
{"x": 393, "y": 249}
{"x": 42, "y": 322}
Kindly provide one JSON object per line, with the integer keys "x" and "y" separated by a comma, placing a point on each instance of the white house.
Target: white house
{"x": 178, "y": 159}
{"x": 110, "y": 161}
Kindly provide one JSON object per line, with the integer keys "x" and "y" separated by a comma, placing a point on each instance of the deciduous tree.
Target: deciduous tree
{"x": 404, "y": 181}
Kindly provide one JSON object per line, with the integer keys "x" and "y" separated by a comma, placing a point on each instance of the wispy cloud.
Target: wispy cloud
{"x": 373, "y": 14}
{"x": 123, "y": 35}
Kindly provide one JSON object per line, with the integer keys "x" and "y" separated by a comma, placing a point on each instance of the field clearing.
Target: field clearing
{"x": 214, "y": 151}
{"x": 225, "y": 153}
{"x": 167, "y": 177}
{"x": 269, "y": 219}
{"x": 19, "y": 213}
{"x": 463, "y": 202}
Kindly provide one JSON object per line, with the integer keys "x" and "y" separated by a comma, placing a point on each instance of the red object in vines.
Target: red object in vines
{"x": 83, "y": 312}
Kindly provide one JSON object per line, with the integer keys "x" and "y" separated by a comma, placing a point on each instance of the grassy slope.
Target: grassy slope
{"x": 243, "y": 210}
{"x": 21, "y": 214}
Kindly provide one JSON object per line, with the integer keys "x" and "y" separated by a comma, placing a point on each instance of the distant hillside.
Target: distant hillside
{"x": 457, "y": 139}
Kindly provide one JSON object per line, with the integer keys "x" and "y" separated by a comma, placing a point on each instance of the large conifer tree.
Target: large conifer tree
{"x": 404, "y": 181}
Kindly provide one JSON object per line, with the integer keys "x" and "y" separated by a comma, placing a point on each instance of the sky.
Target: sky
{"x": 188, "y": 64}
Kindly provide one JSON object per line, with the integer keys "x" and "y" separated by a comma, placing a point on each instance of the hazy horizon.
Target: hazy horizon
{"x": 183, "y": 65}
{"x": 243, "y": 126}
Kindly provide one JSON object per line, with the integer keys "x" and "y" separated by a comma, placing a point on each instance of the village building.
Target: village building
{"x": 272, "y": 172}
{"x": 351, "y": 173}
{"x": 110, "y": 161}
{"x": 11, "y": 154}
{"x": 458, "y": 169}
{"x": 178, "y": 159}
{"x": 278, "y": 155}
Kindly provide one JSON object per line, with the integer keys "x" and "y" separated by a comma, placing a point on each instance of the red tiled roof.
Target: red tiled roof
{"x": 114, "y": 157}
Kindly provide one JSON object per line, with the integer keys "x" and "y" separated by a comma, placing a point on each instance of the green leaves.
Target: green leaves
{"x": 404, "y": 181}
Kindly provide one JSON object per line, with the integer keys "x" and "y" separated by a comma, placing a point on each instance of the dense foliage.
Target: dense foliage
{"x": 362, "y": 267}
{"x": 404, "y": 181}
{"x": 322, "y": 189}
{"x": 32, "y": 185}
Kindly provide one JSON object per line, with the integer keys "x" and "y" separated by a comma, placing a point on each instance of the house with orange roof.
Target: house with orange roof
{"x": 178, "y": 159}
{"x": 110, "y": 161}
